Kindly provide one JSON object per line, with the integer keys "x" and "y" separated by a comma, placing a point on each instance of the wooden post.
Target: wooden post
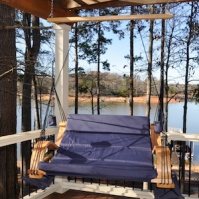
{"x": 61, "y": 60}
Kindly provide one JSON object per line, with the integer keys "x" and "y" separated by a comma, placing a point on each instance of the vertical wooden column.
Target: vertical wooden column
{"x": 61, "y": 60}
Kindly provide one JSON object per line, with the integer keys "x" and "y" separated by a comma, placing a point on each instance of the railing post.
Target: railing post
{"x": 61, "y": 179}
{"x": 190, "y": 151}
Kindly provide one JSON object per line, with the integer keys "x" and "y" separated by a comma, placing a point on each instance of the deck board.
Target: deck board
{"x": 73, "y": 194}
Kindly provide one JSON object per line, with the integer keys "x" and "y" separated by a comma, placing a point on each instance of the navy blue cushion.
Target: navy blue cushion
{"x": 39, "y": 183}
{"x": 105, "y": 147}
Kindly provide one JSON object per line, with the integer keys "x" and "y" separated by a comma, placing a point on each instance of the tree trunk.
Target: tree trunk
{"x": 31, "y": 53}
{"x": 131, "y": 62}
{"x": 148, "y": 95}
{"x": 91, "y": 92}
{"x": 98, "y": 71}
{"x": 161, "y": 109}
{"x": 36, "y": 107}
{"x": 185, "y": 98}
{"x": 166, "y": 76}
{"x": 8, "y": 89}
{"x": 76, "y": 69}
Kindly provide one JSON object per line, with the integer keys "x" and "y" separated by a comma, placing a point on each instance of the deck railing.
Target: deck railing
{"x": 129, "y": 189}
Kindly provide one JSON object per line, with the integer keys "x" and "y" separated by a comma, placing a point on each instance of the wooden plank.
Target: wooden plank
{"x": 88, "y": 4}
{"x": 71, "y": 4}
{"x": 109, "y": 18}
{"x": 39, "y": 8}
{"x": 61, "y": 8}
{"x": 148, "y": 2}
{"x": 21, "y": 137}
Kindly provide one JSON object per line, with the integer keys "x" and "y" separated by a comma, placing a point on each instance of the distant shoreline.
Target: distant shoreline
{"x": 142, "y": 99}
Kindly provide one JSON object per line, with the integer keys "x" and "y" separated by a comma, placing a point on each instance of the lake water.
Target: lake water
{"x": 175, "y": 118}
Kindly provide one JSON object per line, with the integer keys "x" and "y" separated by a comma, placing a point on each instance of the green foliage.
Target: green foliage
{"x": 172, "y": 90}
{"x": 80, "y": 71}
{"x": 88, "y": 85}
{"x": 135, "y": 59}
{"x": 196, "y": 94}
{"x": 84, "y": 86}
{"x": 124, "y": 92}
{"x": 106, "y": 65}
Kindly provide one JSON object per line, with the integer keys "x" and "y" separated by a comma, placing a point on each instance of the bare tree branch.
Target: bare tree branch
{"x": 24, "y": 27}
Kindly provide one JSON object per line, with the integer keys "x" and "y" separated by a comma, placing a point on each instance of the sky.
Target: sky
{"x": 119, "y": 48}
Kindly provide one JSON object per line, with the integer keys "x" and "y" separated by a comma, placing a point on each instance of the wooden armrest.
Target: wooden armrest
{"x": 163, "y": 165}
{"x": 36, "y": 174}
{"x": 38, "y": 154}
{"x": 39, "y": 151}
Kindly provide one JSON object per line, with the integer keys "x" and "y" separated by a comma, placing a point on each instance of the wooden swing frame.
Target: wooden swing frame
{"x": 40, "y": 148}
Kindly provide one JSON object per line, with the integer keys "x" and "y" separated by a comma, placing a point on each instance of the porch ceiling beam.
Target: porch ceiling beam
{"x": 39, "y": 8}
{"x": 73, "y": 5}
{"x": 109, "y": 18}
{"x": 86, "y": 4}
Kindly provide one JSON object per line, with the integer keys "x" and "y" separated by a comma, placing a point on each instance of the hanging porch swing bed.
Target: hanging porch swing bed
{"x": 104, "y": 147}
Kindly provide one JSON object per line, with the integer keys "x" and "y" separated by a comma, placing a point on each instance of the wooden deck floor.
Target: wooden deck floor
{"x": 73, "y": 194}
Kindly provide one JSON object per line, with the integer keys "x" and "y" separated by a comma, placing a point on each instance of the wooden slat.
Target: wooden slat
{"x": 62, "y": 128}
{"x": 163, "y": 166}
{"x": 109, "y": 18}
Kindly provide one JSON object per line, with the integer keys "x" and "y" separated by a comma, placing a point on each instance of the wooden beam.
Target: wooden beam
{"x": 39, "y": 8}
{"x": 42, "y": 8}
{"x": 88, "y": 4}
{"x": 148, "y": 2}
{"x": 109, "y": 18}
{"x": 73, "y": 5}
